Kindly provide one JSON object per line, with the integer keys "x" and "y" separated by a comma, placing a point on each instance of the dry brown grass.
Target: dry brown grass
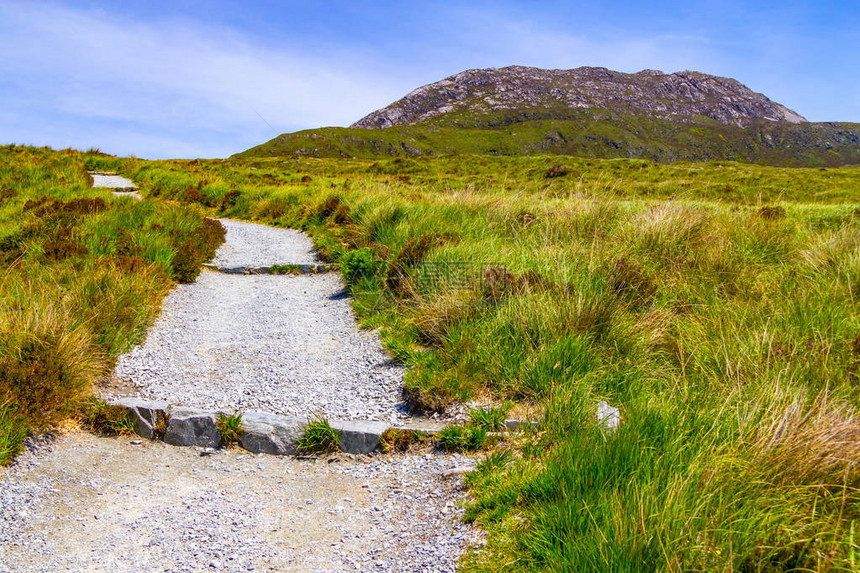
{"x": 812, "y": 446}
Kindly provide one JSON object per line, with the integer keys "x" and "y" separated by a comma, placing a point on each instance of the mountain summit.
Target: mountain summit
{"x": 536, "y": 93}
{"x": 586, "y": 112}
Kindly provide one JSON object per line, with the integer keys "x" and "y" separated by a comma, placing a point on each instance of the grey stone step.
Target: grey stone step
{"x": 260, "y": 432}
{"x": 286, "y": 268}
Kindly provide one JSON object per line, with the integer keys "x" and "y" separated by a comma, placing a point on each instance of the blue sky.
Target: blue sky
{"x": 188, "y": 78}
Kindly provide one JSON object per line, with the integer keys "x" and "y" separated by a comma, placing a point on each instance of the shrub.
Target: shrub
{"x": 769, "y": 213}
{"x": 499, "y": 282}
{"x": 197, "y": 248}
{"x": 358, "y": 265}
{"x": 334, "y": 209}
{"x": 556, "y": 171}
{"x": 412, "y": 253}
{"x": 229, "y": 200}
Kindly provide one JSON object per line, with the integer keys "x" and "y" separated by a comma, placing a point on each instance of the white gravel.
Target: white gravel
{"x": 254, "y": 245}
{"x": 114, "y": 505}
{"x": 111, "y": 181}
{"x": 281, "y": 344}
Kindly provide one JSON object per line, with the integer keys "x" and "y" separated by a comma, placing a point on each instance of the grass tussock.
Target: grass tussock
{"x": 229, "y": 428}
{"x": 319, "y": 437}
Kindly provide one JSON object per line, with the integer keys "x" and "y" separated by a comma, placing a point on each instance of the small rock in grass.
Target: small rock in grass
{"x": 608, "y": 417}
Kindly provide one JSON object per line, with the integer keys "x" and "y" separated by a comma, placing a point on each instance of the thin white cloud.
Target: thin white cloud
{"x": 171, "y": 77}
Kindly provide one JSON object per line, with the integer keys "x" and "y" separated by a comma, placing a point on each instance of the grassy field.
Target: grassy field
{"x": 592, "y": 133}
{"x": 82, "y": 275}
{"x": 715, "y": 304}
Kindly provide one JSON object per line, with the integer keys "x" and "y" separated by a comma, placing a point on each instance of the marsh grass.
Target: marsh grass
{"x": 466, "y": 438}
{"x": 489, "y": 418}
{"x": 715, "y": 304}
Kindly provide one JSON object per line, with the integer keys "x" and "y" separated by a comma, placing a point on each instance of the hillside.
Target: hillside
{"x": 587, "y": 112}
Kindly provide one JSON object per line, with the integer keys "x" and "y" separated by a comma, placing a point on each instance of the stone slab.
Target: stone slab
{"x": 270, "y": 434}
{"x": 190, "y": 427}
{"x": 146, "y": 414}
{"x": 513, "y": 425}
{"x": 358, "y": 437}
{"x": 303, "y": 268}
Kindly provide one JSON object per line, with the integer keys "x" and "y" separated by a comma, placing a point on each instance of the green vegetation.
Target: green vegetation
{"x": 594, "y": 134}
{"x": 101, "y": 417}
{"x": 229, "y": 428}
{"x": 82, "y": 274}
{"x": 461, "y": 438}
{"x": 491, "y": 419}
{"x": 319, "y": 437}
{"x": 285, "y": 269}
{"x": 715, "y": 304}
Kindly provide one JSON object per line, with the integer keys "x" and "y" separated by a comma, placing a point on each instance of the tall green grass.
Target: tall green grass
{"x": 715, "y": 304}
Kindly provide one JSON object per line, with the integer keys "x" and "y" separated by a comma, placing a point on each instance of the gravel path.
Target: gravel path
{"x": 281, "y": 344}
{"x": 113, "y": 504}
{"x": 111, "y": 181}
{"x": 261, "y": 246}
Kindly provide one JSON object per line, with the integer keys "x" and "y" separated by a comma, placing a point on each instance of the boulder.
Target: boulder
{"x": 513, "y": 425}
{"x": 270, "y": 433}
{"x": 189, "y": 427}
{"x": 357, "y": 437}
{"x": 147, "y": 414}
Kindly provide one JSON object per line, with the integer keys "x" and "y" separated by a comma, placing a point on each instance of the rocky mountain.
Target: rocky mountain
{"x": 587, "y": 112}
{"x": 554, "y": 94}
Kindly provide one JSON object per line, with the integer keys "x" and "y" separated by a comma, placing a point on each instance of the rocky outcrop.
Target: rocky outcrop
{"x": 521, "y": 91}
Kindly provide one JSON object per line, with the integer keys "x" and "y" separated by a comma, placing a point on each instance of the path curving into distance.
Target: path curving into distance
{"x": 284, "y": 344}
{"x": 288, "y": 344}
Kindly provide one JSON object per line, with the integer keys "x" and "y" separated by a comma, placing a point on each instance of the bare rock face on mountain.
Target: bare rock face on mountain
{"x": 532, "y": 92}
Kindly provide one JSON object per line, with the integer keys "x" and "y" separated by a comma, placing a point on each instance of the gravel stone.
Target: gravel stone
{"x": 252, "y": 245}
{"x": 86, "y": 503}
{"x": 281, "y": 344}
